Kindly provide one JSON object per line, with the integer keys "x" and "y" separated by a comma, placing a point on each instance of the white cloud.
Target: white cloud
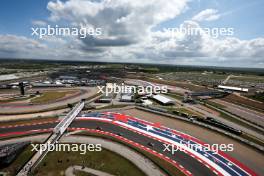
{"x": 207, "y": 15}
{"x": 205, "y": 50}
{"x": 39, "y": 23}
{"x": 50, "y": 47}
{"x": 123, "y": 22}
{"x": 128, "y": 36}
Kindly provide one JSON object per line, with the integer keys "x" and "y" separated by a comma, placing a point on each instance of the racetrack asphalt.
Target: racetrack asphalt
{"x": 189, "y": 163}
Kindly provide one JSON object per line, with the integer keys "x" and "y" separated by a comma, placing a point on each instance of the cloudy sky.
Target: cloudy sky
{"x": 137, "y": 31}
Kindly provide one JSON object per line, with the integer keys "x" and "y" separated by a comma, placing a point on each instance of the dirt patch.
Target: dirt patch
{"x": 244, "y": 101}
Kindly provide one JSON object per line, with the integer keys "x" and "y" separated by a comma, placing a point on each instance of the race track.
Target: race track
{"x": 193, "y": 162}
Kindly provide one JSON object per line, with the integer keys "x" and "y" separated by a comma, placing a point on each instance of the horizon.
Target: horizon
{"x": 135, "y": 32}
{"x": 136, "y": 63}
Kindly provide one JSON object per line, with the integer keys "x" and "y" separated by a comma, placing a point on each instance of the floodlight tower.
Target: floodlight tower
{"x": 22, "y": 88}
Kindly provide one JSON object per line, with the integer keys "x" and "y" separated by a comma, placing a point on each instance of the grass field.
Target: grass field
{"x": 217, "y": 105}
{"x": 113, "y": 106}
{"x": 237, "y": 121}
{"x": 244, "y": 102}
{"x": 26, "y": 154}
{"x": 51, "y": 96}
{"x": 169, "y": 169}
{"x": 249, "y": 78}
{"x": 10, "y": 100}
{"x": 22, "y": 158}
{"x": 181, "y": 110}
{"x": 185, "y": 110}
{"x": 176, "y": 96}
{"x": 28, "y": 121}
{"x": 258, "y": 97}
{"x": 181, "y": 84}
{"x": 105, "y": 161}
{"x": 55, "y": 163}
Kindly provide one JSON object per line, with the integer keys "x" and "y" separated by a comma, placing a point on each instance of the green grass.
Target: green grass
{"x": 35, "y": 111}
{"x": 253, "y": 79}
{"x": 19, "y": 162}
{"x": 113, "y": 106}
{"x": 115, "y": 66}
{"x": 181, "y": 110}
{"x": 25, "y": 121}
{"x": 80, "y": 173}
{"x": 239, "y": 122}
{"x": 50, "y": 96}
{"x": 149, "y": 69}
{"x": 216, "y": 104}
{"x": 252, "y": 139}
{"x": 176, "y": 96}
{"x": 165, "y": 166}
{"x": 184, "y": 110}
{"x": 48, "y": 109}
{"x": 10, "y": 100}
{"x": 104, "y": 160}
{"x": 258, "y": 97}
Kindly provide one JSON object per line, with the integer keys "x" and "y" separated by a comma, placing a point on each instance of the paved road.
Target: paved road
{"x": 243, "y": 112}
{"x": 146, "y": 83}
{"x": 227, "y": 78}
{"x": 86, "y": 92}
{"x": 249, "y": 114}
{"x": 33, "y": 115}
{"x": 143, "y": 163}
{"x": 70, "y": 171}
{"x": 139, "y": 160}
{"x": 194, "y": 166}
{"x": 199, "y": 108}
{"x": 57, "y": 133}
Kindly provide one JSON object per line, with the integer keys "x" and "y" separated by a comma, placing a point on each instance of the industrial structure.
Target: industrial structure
{"x": 163, "y": 100}
{"x": 53, "y": 138}
{"x": 230, "y": 88}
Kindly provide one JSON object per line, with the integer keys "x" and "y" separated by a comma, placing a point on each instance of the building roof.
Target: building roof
{"x": 233, "y": 88}
{"x": 106, "y": 97}
{"x": 162, "y": 99}
{"x": 147, "y": 102}
{"x": 127, "y": 97}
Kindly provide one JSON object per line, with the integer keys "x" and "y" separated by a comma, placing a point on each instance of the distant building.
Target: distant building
{"x": 163, "y": 100}
{"x": 5, "y": 86}
{"x": 127, "y": 98}
{"x": 146, "y": 102}
{"x": 58, "y": 83}
{"x": 232, "y": 88}
{"x": 41, "y": 85}
{"x": 104, "y": 99}
{"x": 91, "y": 82}
{"x": 68, "y": 77}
